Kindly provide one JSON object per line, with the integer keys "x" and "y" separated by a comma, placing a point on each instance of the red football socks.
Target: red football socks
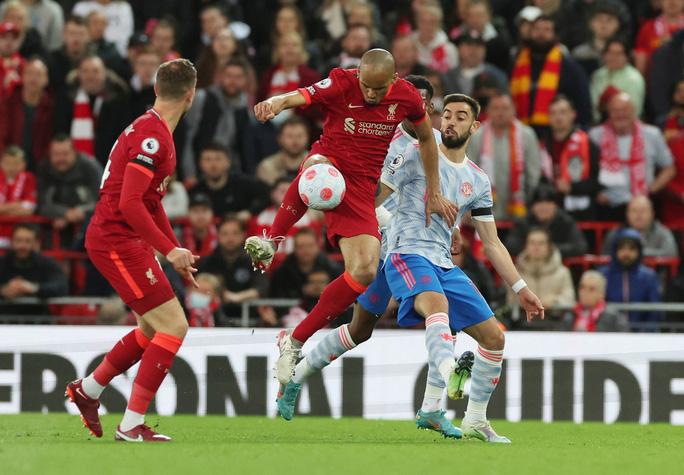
{"x": 125, "y": 354}
{"x": 336, "y": 297}
{"x": 291, "y": 210}
{"x": 155, "y": 364}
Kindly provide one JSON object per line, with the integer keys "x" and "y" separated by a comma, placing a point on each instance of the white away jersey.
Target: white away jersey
{"x": 462, "y": 183}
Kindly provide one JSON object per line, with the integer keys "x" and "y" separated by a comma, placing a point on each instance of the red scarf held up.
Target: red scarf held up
{"x": 611, "y": 162}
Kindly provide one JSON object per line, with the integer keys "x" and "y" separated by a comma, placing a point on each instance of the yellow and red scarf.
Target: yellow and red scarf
{"x": 547, "y": 86}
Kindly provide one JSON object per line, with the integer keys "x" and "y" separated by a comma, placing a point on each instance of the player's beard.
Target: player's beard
{"x": 455, "y": 142}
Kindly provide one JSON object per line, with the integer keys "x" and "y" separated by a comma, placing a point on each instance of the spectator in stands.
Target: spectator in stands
{"x": 96, "y": 22}
{"x": 27, "y": 115}
{"x": 362, "y": 12}
{"x": 471, "y": 62}
{"x": 31, "y": 44}
{"x": 673, "y": 127}
{"x": 176, "y": 199}
{"x": 619, "y": 73}
{"x": 355, "y": 42}
{"x": 435, "y": 51}
{"x": 541, "y": 266}
{"x": 545, "y": 214}
{"x": 76, "y": 46}
{"x": 575, "y": 16}
{"x": 658, "y": 31}
{"x": 204, "y": 303}
{"x": 289, "y": 279}
{"x": 24, "y": 272}
{"x": 405, "y": 53}
{"x": 11, "y": 61}
{"x": 142, "y": 96}
{"x": 229, "y": 192}
{"x": 604, "y": 24}
{"x": 200, "y": 235}
{"x": 119, "y": 19}
{"x": 68, "y": 184}
{"x": 47, "y": 17}
{"x": 163, "y": 40}
{"x": 230, "y": 262}
{"x": 574, "y": 161}
{"x": 93, "y": 109}
{"x": 631, "y": 151}
{"x": 213, "y": 19}
{"x": 508, "y": 151}
{"x": 478, "y": 19}
{"x": 223, "y": 116}
{"x": 523, "y": 22}
{"x": 666, "y": 72}
{"x": 17, "y": 190}
{"x": 263, "y": 221}
{"x": 628, "y": 280}
{"x": 210, "y": 64}
{"x": 590, "y": 313}
{"x": 656, "y": 239}
{"x": 311, "y": 292}
{"x": 293, "y": 139}
{"x": 672, "y": 210}
{"x": 545, "y": 57}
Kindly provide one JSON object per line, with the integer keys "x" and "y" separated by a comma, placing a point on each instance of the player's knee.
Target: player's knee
{"x": 315, "y": 160}
{"x": 178, "y": 328}
{"x": 494, "y": 341}
{"x": 364, "y": 273}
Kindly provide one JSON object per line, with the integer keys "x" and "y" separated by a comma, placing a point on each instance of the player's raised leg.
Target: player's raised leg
{"x": 361, "y": 254}
{"x": 170, "y": 326}
{"x": 485, "y": 377}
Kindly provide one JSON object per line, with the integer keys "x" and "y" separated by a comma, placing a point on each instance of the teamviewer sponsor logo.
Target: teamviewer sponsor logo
{"x": 349, "y": 125}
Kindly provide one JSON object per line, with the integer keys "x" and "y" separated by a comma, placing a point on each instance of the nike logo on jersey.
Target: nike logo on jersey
{"x": 353, "y": 106}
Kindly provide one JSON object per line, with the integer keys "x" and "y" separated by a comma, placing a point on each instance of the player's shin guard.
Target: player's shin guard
{"x": 291, "y": 210}
{"x": 127, "y": 352}
{"x": 334, "y": 345}
{"x": 485, "y": 377}
{"x": 154, "y": 366}
{"x": 438, "y": 341}
{"x": 335, "y": 299}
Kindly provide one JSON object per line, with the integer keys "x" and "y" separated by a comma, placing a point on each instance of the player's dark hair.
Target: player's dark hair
{"x": 474, "y": 105}
{"x": 27, "y": 226}
{"x": 216, "y": 147}
{"x": 175, "y": 78}
{"x": 421, "y": 82}
{"x": 76, "y": 20}
{"x": 293, "y": 121}
{"x": 562, "y": 98}
{"x": 232, "y": 218}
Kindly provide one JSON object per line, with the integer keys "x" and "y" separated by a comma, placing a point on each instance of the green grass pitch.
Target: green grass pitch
{"x": 56, "y": 444}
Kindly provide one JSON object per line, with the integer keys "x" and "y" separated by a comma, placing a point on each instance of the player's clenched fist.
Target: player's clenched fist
{"x": 266, "y": 110}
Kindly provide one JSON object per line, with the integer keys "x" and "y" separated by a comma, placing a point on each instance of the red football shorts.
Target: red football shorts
{"x": 356, "y": 214}
{"x": 136, "y": 275}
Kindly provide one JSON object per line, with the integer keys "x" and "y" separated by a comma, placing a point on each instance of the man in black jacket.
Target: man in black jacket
{"x": 26, "y": 273}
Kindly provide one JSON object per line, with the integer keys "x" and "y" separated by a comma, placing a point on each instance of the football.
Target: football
{"x": 322, "y": 187}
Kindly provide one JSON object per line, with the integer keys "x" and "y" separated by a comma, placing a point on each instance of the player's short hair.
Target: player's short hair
{"x": 175, "y": 78}
{"x": 215, "y": 147}
{"x": 28, "y": 227}
{"x": 76, "y": 20}
{"x": 232, "y": 218}
{"x": 13, "y": 151}
{"x": 474, "y": 105}
{"x": 421, "y": 82}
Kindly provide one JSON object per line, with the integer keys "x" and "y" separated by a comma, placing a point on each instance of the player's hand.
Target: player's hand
{"x": 268, "y": 109}
{"x": 181, "y": 258}
{"x": 531, "y": 304}
{"x": 437, "y": 203}
{"x": 187, "y": 275}
{"x": 456, "y": 243}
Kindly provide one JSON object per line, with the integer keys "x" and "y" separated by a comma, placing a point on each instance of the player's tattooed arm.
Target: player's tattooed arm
{"x": 271, "y": 107}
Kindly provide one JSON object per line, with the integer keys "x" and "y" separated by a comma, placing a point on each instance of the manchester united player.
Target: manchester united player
{"x": 128, "y": 225}
{"x": 363, "y": 107}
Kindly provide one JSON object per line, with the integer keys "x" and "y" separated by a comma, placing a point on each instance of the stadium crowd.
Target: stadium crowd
{"x": 582, "y": 136}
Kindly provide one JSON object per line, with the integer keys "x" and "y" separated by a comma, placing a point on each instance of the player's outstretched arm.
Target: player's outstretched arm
{"x": 271, "y": 107}
{"x": 498, "y": 255}
{"x": 384, "y": 192}
{"x": 436, "y": 202}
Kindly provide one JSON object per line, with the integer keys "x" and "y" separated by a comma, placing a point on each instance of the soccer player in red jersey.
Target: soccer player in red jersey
{"x": 362, "y": 107}
{"x": 129, "y": 223}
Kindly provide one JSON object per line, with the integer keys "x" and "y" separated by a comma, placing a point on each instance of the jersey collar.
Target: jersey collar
{"x": 158, "y": 116}
{"x": 450, "y": 163}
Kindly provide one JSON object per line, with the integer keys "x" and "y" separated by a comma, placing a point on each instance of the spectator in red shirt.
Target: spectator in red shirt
{"x": 200, "y": 234}
{"x": 672, "y": 206}
{"x": 17, "y": 190}
{"x": 27, "y": 115}
{"x": 654, "y": 33}
{"x": 674, "y": 122}
{"x": 11, "y": 62}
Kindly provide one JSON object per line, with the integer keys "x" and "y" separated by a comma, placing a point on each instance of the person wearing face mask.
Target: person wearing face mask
{"x": 204, "y": 302}
{"x": 543, "y": 69}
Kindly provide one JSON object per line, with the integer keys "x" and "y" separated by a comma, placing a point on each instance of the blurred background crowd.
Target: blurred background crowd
{"x": 582, "y": 137}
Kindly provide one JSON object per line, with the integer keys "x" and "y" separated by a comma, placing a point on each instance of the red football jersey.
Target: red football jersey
{"x": 356, "y": 135}
{"x": 146, "y": 144}
{"x": 20, "y": 190}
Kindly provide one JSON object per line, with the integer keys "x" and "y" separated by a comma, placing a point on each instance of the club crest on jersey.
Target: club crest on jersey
{"x": 150, "y": 145}
{"x": 324, "y": 83}
{"x": 466, "y": 189}
{"x": 392, "y": 111}
{"x": 150, "y": 275}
